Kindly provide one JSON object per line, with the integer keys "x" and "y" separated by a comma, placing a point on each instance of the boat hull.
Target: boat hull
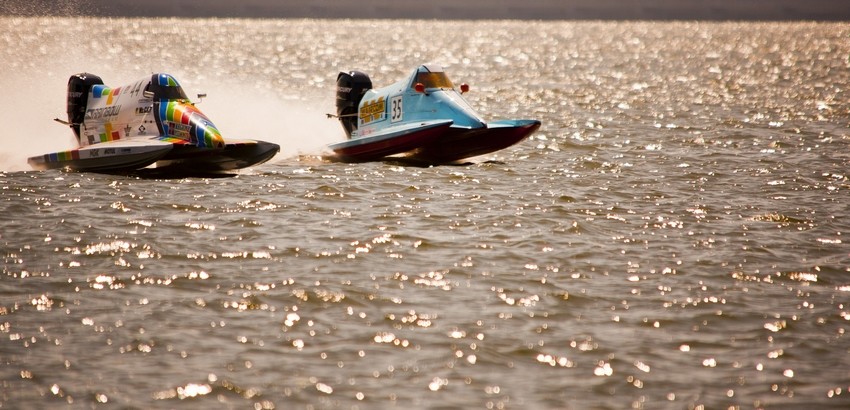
{"x": 112, "y": 157}
{"x": 460, "y": 143}
{"x": 235, "y": 154}
{"x": 391, "y": 141}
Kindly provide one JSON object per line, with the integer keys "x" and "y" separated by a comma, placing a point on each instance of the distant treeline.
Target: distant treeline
{"x": 764, "y": 10}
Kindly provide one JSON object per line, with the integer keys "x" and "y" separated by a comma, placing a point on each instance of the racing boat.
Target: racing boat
{"x": 148, "y": 122}
{"x": 423, "y": 117}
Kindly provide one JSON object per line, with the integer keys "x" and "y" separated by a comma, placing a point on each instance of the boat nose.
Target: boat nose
{"x": 183, "y": 121}
{"x": 205, "y": 133}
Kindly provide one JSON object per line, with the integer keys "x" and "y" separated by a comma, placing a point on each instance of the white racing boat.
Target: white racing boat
{"x": 150, "y": 121}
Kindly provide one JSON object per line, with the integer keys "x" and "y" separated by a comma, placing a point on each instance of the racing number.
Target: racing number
{"x": 396, "y": 112}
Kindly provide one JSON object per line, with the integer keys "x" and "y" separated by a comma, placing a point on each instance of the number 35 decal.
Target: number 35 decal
{"x": 396, "y": 111}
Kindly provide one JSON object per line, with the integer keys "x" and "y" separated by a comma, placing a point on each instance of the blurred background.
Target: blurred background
{"x": 827, "y": 10}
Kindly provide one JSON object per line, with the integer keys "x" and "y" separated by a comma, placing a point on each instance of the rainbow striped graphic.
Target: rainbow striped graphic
{"x": 109, "y": 134}
{"x": 182, "y": 121}
{"x": 100, "y": 91}
{"x": 167, "y": 80}
{"x": 62, "y": 156}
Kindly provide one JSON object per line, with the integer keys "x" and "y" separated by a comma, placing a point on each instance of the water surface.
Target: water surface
{"x": 672, "y": 237}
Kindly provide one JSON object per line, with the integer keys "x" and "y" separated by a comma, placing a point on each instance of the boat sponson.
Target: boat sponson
{"x": 115, "y": 157}
{"x": 394, "y": 140}
{"x": 459, "y": 143}
{"x": 234, "y": 155}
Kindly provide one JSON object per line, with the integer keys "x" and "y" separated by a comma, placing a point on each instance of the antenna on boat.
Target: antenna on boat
{"x": 341, "y": 116}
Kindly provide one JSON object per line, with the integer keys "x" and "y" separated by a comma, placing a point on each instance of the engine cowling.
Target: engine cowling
{"x": 350, "y": 88}
{"x": 79, "y": 86}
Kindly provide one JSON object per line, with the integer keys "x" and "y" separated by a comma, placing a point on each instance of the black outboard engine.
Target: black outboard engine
{"x": 79, "y": 86}
{"x": 350, "y": 88}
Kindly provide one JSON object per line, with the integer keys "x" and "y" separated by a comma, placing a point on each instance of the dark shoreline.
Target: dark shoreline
{"x": 712, "y": 10}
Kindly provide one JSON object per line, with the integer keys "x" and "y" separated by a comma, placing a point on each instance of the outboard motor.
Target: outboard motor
{"x": 79, "y": 86}
{"x": 350, "y": 88}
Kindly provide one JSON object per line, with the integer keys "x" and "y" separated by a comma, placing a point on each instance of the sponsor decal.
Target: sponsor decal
{"x": 105, "y": 112}
{"x": 178, "y": 130}
{"x": 144, "y": 110}
{"x": 373, "y": 110}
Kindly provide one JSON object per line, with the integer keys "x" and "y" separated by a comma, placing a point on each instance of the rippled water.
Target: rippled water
{"x": 673, "y": 237}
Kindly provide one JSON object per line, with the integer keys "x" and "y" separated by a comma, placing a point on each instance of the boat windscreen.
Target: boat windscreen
{"x": 167, "y": 92}
{"x": 433, "y": 80}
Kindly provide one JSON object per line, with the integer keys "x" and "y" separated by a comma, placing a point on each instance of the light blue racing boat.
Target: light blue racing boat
{"x": 422, "y": 117}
